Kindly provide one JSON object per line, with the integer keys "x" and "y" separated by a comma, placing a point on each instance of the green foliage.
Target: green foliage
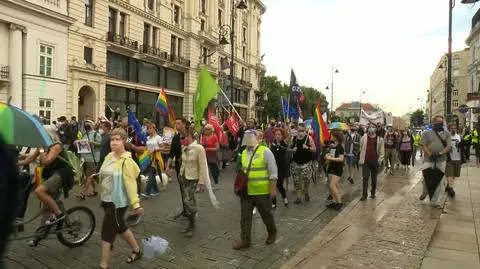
{"x": 275, "y": 89}
{"x": 416, "y": 118}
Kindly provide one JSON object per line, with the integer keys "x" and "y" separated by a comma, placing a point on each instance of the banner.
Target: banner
{"x": 375, "y": 117}
{"x": 233, "y": 124}
{"x": 222, "y": 137}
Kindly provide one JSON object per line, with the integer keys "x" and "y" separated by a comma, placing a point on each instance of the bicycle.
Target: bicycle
{"x": 69, "y": 226}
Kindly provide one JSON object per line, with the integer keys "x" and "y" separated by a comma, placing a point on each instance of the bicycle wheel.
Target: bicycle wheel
{"x": 77, "y": 232}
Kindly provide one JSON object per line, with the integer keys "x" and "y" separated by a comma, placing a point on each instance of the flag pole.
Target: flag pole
{"x": 230, "y": 103}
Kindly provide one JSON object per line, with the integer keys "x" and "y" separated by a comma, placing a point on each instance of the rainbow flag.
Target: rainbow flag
{"x": 164, "y": 108}
{"x": 320, "y": 130}
{"x": 144, "y": 160}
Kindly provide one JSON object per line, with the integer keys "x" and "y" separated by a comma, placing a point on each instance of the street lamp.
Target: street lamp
{"x": 360, "y": 114}
{"x": 230, "y": 29}
{"x": 334, "y": 71}
{"x": 448, "y": 93}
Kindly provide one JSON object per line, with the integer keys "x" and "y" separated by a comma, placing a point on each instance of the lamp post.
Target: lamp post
{"x": 360, "y": 114}
{"x": 334, "y": 71}
{"x": 230, "y": 29}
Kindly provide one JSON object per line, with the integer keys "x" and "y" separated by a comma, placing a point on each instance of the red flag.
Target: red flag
{"x": 233, "y": 124}
{"x": 222, "y": 137}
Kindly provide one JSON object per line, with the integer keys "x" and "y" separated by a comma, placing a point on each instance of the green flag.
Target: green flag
{"x": 207, "y": 89}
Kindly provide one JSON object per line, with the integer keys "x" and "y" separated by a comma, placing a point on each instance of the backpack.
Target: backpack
{"x": 75, "y": 164}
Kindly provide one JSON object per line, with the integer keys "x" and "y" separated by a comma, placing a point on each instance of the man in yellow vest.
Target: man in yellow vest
{"x": 475, "y": 142}
{"x": 416, "y": 146}
{"x": 261, "y": 189}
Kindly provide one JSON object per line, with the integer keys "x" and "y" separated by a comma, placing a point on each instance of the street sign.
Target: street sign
{"x": 463, "y": 109}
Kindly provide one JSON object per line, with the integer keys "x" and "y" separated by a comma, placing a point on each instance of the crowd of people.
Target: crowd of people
{"x": 271, "y": 157}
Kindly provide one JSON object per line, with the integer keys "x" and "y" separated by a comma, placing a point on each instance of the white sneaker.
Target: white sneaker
{"x": 254, "y": 210}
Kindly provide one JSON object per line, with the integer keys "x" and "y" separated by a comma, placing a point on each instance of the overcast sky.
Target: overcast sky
{"x": 387, "y": 48}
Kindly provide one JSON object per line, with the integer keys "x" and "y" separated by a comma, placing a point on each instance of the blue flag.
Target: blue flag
{"x": 290, "y": 111}
{"x": 133, "y": 122}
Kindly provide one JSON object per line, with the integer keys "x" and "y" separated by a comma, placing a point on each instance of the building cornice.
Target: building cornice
{"x": 87, "y": 70}
{"x": 151, "y": 17}
{"x": 42, "y": 11}
{"x": 262, "y": 6}
{"x": 473, "y": 33}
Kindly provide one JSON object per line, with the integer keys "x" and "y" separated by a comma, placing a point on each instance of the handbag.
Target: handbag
{"x": 240, "y": 184}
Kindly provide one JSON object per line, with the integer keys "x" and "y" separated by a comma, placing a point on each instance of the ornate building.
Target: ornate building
{"x": 33, "y": 55}
{"x": 122, "y": 52}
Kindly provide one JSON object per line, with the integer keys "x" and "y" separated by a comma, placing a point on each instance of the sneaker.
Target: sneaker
{"x": 423, "y": 196}
{"x": 364, "y": 198}
{"x": 338, "y": 206}
{"x": 153, "y": 194}
{"x": 274, "y": 206}
{"x": 285, "y": 201}
{"x": 329, "y": 198}
{"x": 254, "y": 211}
{"x": 298, "y": 201}
{"x": 145, "y": 195}
{"x": 54, "y": 219}
{"x": 307, "y": 198}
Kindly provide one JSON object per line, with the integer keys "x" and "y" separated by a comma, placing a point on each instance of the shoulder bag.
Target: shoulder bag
{"x": 240, "y": 185}
{"x": 444, "y": 143}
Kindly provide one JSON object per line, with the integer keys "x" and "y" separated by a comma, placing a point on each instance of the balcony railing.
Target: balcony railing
{"x": 473, "y": 96}
{"x": 179, "y": 60}
{"x": 122, "y": 41}
{"x": 154, "y": 52}
{"x": 4, "y": 72}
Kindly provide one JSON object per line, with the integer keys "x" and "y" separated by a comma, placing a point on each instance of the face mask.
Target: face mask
{"x": 372, "y": 130}
{"x": 438, "y": 127}
{"x": 301, "y": 135}
{"x": 101, "y": 132}
{"x": 185, "y": 142}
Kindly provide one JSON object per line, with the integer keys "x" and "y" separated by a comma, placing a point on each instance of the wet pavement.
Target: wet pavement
{"x": 391, "y": 231}
{"x": 217, "y": 230}
{"x": 456, "y": 241}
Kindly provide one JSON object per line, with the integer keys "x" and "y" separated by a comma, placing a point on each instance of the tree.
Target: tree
{"x": 275, "y": 89}
{"x": 416, "y": 118}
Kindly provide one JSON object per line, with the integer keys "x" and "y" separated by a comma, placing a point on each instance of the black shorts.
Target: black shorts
{"x": 113, "y": 222}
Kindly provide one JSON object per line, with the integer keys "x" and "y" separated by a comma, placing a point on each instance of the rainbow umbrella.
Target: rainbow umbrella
{"x": 19, "y": 128}
{"x": 339, "y": 126}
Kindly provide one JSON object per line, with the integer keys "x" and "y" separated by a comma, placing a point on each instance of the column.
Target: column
{"x": 117, "y": 23}
{"x": 15, "y": 62}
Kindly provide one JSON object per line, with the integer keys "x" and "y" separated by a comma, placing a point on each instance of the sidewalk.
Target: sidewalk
{"x": 456, "y": 241}
{"x": 392, "y": 231}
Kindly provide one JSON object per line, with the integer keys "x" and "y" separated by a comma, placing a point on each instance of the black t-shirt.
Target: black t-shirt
{"x": 176, "y": 151}
{"x": 336, "y": 168}
{"x": 279, "y": 151}
{"x": 104, "y": 149}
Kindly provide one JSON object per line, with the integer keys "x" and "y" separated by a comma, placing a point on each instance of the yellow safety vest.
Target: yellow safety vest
{"x": 475, "y": 137}
{"x": 416, "y": 140}
{"x": 258, "y": 181}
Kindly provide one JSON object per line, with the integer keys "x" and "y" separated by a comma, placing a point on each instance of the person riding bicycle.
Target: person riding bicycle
{"x": 58, "y": 176}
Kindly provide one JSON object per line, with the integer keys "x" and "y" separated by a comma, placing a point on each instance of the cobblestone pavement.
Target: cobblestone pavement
{"x": 392, "y": 231}
{"x": 211, "y": 247}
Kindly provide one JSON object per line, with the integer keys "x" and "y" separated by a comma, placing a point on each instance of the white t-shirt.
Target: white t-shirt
{"x": 455, "y": 153}
{"x": 154, "y": 142}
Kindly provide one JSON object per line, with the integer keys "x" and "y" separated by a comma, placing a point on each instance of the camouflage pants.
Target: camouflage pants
{"x": 302, "y": 174}
{"x": 189, "y": 188}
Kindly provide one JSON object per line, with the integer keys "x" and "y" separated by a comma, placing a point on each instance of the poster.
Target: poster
{"x": 83, "y": 147}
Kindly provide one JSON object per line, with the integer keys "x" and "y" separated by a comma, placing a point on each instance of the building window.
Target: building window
{"x": 88, "y": 55}
{"x": 117, "y": 66}
{"x": 46, "y": 60}
{"x": 150, "y": 4}
{"x": 455, "y": 92}
{"x": 173, "y": 46}
{"x": 175, "y": 80}
{"x": 456, "y": 61}
{"x": 244, "y": 35}
{"x": 203, "y": 6}
{"x": 176, "y": 14}
{"x": 244, "y": 73}
{"x": 155, "y": 37}
{"x": 45, "y": 109}
{"x": 204, "y": 55}
{"x": 202, "y": 25}
{"x": 123, "y": 24}
{"x": 148, "y": 73}
{"x": 220, "y": 18}
{"x": 89, "y": 12}
{"x": 455, "y": 103}
{"x": 112, "y": 21}
{"x": 146, "y": 34}
{"x": 456, "y": 73}
{"x": 180, "y": 47}
{"x": 244, "y": 52}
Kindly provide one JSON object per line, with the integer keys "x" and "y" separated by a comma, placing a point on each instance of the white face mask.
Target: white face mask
{"x": 101, "y": 131}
